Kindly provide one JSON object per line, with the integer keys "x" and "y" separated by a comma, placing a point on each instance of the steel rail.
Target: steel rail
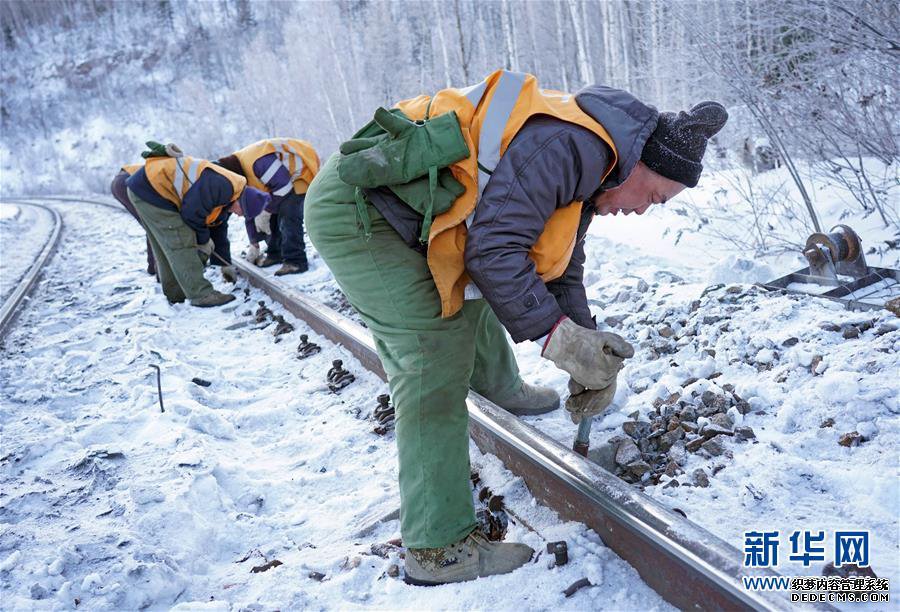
{"x": 10, "y": 309}
{"x": 688, "y": 566}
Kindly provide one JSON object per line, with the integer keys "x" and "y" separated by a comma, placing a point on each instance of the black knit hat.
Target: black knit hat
{"x": 676, "y": 147}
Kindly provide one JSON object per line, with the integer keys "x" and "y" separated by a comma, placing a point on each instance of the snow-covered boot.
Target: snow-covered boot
{"x": 472, "y": 557}
{"x": 216, "y": 298}
{"x": 289, "y": 268}
{"x": 268, "y": 262}
{"x": 529, "y": 400}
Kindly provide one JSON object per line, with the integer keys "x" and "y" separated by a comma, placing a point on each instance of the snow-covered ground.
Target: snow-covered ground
{"x": 24, "y": 231}
{"x": 235, "y": 468}
{"x": 786, "y": 356}
{"x": 108, "y": 503}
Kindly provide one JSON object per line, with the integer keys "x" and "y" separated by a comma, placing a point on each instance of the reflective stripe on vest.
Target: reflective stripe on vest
{"x": 270, "y": 171}
{"x": 505, "y": 97}
{"x": 178, "y": 179}
{"x": 189, "y": 169}
{"x": 284, "y": 189}
{"x": 475, "y": 92}
{"x": 506, "y": 94}
{"x": 287, "y": 154}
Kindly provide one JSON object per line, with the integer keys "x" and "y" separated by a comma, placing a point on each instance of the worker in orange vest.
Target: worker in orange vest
{"x": 179, "y": 200}
{"x": 451, "y": 220}
{"x": 284, "y": 168}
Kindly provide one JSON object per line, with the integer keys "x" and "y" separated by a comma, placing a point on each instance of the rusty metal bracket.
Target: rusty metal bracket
{"x": 838, "y": 266}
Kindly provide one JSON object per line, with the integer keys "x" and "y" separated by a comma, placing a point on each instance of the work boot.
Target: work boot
{"x": 290, "y": 268}
{"x": 473, "y": 557}
{"x": 530, "y": 400}
{"x": 268, "y": 262}
{"x": 216, "y": 298}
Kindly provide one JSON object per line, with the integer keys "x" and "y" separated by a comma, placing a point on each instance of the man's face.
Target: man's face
{"x": 236, "y": 208}
{"x": 642, "y": 189}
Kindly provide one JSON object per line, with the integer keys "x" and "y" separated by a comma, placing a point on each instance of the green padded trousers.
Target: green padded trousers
{"x": 430, "y": 361}
{"x": 174, "y": 245}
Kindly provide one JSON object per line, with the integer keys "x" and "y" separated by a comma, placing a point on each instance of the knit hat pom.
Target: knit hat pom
{"x": 708, "y": 118}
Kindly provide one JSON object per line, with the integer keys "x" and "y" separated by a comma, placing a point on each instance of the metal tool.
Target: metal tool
{"x": 159, "y": 386}
{"x": 583, "y": 437}
{"x": 837, "y": 265}
{"x": 837, "y": 252}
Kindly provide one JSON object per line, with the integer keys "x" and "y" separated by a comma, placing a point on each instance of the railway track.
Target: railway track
{"x": 688, "y": 566}
{"x": 10, "y": 308}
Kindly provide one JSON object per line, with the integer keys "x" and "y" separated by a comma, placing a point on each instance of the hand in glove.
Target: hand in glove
{"x": 252, "y": 255}
{"x": 593, "y": 358}
{"x": 206, "y": 250}
{"x": 229, "y": 273}
{"x": 585, "y": 403}
{"x": 263, "y": 222}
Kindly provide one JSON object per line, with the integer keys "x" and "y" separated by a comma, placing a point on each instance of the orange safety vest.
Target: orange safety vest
{"x": 173, "y": 177}
{"x": 132, "y": 168}
{"x": 297, "y": 156}
{"x": 490, "y": 115}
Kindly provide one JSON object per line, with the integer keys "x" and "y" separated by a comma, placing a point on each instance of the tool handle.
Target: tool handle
{"x": 583, "y": 437}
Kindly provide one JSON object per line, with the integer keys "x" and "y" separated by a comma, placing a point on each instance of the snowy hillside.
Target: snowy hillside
{"x": 232, "y": 478}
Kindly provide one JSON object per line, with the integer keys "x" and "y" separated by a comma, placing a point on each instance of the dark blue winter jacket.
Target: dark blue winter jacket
{"x": 209, "y": 191}
{"x": 278, "y": 182}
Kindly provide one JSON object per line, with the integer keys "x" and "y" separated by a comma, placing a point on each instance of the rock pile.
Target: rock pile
{"x": 698, "y": 423}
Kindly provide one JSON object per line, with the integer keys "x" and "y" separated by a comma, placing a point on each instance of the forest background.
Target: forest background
{"x": 811, "y": 85}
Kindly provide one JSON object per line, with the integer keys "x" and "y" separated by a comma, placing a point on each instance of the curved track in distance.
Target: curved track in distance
{"x": 10, "y": 307}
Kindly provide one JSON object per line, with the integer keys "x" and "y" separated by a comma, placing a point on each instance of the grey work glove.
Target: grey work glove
{"x": 229, "y": 273}
{"x": 263, "y": 222}
{"x": 592, "y": 358}
{"x": 253, "y": 255}
{"x": 585, "y": 403}
{"x": 206, "y": 249}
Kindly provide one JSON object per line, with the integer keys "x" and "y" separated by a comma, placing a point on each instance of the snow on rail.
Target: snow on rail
{"x": 24, "y": 229}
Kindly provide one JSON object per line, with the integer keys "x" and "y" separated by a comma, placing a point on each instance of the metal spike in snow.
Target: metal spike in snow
{"x": 688, "y": 566}
{"x": 838, "y": 271}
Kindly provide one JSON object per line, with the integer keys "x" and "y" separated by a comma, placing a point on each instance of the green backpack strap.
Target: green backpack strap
{"x": 429, "y": 210}
{"x": 363, "y": 211}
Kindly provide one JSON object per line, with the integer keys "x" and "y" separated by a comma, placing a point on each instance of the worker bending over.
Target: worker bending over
{"x": 454, "y": 217}
{"x": 284, "y": 168}
{"x": 181, "y": 201}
